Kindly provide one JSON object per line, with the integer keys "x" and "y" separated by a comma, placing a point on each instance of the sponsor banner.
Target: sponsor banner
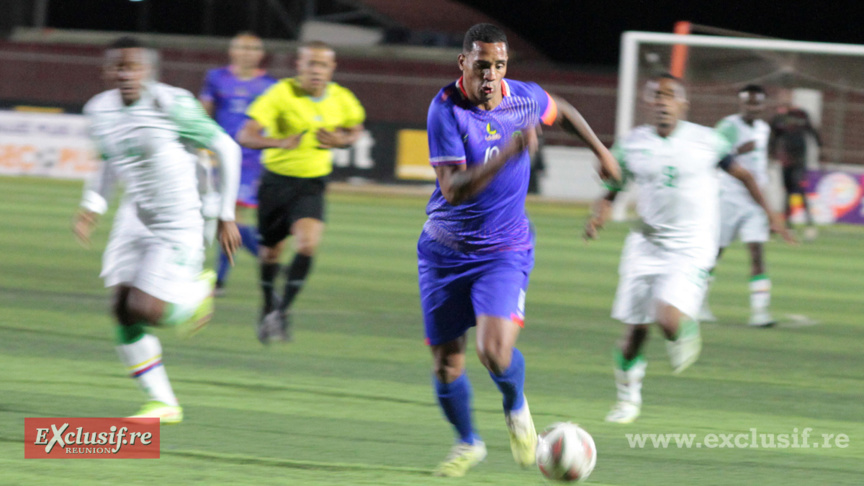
{"x": 412, "y": 156}
{"x": 45, "y": 144}
{"x": 91, "y": 438}
{"x": 834, "y": 196}
{"x": 57, "y": 146}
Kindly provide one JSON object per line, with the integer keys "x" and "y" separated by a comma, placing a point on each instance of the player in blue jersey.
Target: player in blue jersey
{"x": 227, "y": 93}
{"x": 476, "y": 249}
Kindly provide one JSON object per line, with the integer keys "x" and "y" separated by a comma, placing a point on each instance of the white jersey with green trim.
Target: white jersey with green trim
{"x": 677, "y": 177}
{"x": 150, "y": 146}
{"x": 738, "y": 132}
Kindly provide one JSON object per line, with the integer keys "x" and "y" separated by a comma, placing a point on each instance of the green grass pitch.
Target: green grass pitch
{"x": 350, "y": 401}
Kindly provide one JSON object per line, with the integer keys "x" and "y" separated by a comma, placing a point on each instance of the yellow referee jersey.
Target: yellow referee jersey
{"x": 285, "y": 110}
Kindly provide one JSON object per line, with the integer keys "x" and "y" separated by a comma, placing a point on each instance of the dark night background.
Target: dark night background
{"x": 581, "y": 32}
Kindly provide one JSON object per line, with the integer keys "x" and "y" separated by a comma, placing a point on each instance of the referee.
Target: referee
{"x": 297, "y": 121}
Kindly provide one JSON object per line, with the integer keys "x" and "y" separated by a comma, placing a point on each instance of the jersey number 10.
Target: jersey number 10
{"x": 491, "y": 152}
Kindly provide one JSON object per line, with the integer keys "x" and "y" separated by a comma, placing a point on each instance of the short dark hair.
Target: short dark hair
{"x": 126, "y": 42}
{"x": 483, "y": 33}
{"x": 752, "y": 88}
{"x": 668, "y": 75}
{"x": 656, "y": 78}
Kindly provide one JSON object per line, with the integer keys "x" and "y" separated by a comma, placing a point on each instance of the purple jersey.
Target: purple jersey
{"x": 461, "y": 133}
{"x": 231, "y": 97}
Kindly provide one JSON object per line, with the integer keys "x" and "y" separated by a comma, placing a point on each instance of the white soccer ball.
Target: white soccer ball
{"x": 566, "y": 452}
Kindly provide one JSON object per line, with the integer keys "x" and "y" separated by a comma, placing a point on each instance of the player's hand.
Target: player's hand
{"x": 83, "y": 226}
{"x": 229, "y": 239}
{"x": 292, "y": 142}
{"x": 329, "y": 140}
{"x": 746, "y": 148}
{"x": 599, "y": 214}
{"x": 609, "y": 168}
{"x": 529, "y": 140}
{"x": 778, "y": 225}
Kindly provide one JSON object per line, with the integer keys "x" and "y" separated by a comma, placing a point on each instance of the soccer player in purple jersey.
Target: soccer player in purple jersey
{"x": 476, "y": 249}
{"x": 227, "y": 93}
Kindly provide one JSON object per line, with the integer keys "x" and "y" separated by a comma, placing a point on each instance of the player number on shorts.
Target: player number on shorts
{"x": 490, "y": 152}
{"x": 670, "y": 176}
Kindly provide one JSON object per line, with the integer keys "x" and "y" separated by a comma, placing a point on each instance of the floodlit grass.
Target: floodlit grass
{"x": 350, "y": 401}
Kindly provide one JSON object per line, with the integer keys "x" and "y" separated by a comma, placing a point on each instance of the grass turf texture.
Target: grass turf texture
{"x": 350, "y": 401}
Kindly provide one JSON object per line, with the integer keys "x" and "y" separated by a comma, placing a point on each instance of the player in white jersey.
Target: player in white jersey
{"x": 740, "y": 216}
{"x": 666, "y": 258}
{"x": 147, "y": 134}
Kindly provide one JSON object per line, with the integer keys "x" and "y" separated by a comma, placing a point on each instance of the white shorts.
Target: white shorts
{"x": 164, "y": 264}
{"x": 650, "y": 275}
{"x": 743, "y": 219}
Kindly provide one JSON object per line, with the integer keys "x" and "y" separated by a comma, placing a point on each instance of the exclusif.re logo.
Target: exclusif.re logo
{"x": 91, "y": 438}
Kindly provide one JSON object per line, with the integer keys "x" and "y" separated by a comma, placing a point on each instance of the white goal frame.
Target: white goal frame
{"x": 628, "y": 68}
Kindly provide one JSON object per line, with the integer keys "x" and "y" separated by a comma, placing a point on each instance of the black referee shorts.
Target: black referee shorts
{"x": 282, "y": 200}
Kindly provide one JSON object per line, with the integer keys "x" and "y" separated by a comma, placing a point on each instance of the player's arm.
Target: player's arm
{"x": 251, "y": 135}
{"x": 208, "y": 105}
{"x": 229, "y": 156}
{"x": 98, "y": 188}
{"x": 194, "y": 125}
{"x": 339, "y": 138}
{"x": 459, "y": 183}
{"x": 602, "y": 207}
{"x": 600, "y": 211}
{"x": 94, "y": 202}
{"x": 353, "y": 114}
{"x": 739, "y": 172}
{"x": 572, "y": 122}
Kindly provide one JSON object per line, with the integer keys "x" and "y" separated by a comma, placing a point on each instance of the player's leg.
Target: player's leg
{"x": 453, "y": 390}
{"x": 498, "y": 298}
{"x": 678, "y": 295}
{"x": 247, "y": 201}
{"x": 630, "y": 369}
{"x": 755, "y": 232}
{"x": 307, "y": 228}
{"x": 447, "y": 315}
{"x": 633, "y": 307}
{"x": 306, "y": 234}
{"x": 800, "y": 180}
{"x": 168, "y": 289}
{"x": 705, "y": 313}
{"x": 731, "y": 218}
{"x": 274, "y": 199}
{"x": 790, "y": 187}
{"x": 760, "y": 288}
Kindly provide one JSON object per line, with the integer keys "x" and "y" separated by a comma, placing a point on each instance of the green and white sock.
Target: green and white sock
{"x": 143, "y": 359}
{"x": 760, "y": 293}
{"x": 628, "y": 377}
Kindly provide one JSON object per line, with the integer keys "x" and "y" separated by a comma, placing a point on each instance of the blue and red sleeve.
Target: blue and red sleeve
{"x": 445, "y": 141}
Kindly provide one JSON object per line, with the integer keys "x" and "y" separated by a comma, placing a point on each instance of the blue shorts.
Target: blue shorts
{"x": 250, "y": 179}
{"x": 455, "y": 288}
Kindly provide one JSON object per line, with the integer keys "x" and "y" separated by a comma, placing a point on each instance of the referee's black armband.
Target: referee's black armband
{"x": 726, "y": 162}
